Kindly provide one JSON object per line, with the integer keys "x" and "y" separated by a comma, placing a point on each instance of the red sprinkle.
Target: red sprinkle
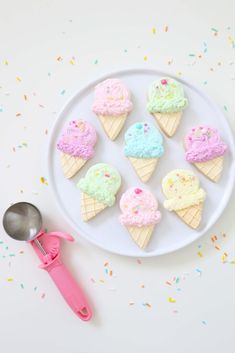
{"x": 138, "y": 191}
{"x": 107, "y": 175}
{"x": 164, "y": 82}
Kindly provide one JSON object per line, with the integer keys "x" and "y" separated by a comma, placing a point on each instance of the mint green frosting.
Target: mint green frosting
{"x": 166, "y": 95}
{"x": 143, "y": 140}
{"x": 101, "y": 182}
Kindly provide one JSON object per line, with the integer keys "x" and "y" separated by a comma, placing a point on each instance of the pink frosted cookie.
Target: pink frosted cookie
{"x": 139, "y": 214}
{"x": 112, "y": 104}
{"x": 76, "y": 144}
{"x": 205, "y": 149}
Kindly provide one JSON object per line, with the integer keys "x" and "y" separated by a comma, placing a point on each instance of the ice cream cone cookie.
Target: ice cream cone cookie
{"x": 76, "y": 144}
{"x": 143, "y": 148}
{"x": 205, "y": 149}
{"x": 112, "y": 105}
{"x": 98, "y": 189}
{"x": 139, "y": 214}
{"x": 184, "y": 196}
{"x": 166, "y": 101}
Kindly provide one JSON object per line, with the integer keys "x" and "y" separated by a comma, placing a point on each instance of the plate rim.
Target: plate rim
{"x": 122, "y": 71}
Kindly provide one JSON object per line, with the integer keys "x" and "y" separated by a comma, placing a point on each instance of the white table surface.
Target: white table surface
{"x": 48, "y": 50}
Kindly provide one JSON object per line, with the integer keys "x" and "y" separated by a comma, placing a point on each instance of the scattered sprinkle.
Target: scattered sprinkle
{"x": 199, "y": 253}
{"x": 148, "y": 305}
{"x": 10, "y": 279}
{"x": 62, "y": 92}
{"x": 72, "y": 61}
{"x": 43, "y": 295}
{"x": 22, "y": 286}
{"x": 43, "y": 181}
{"x": 18, "y": 79}
{"x": 145, "y": 58}
{"x": 153, "y": 30}
{"x": 131, "y": 303}
{"x": 18, "y": 114}
{"x": 166, "y": 29}
{"x": 171, "y": 300}
{"x": 59, "y": 58}
{"x": 96, "y": 62}
{"x": 204, "y": 322}
{"x": 215, "y": 31}
{"x": 139, "y": 261}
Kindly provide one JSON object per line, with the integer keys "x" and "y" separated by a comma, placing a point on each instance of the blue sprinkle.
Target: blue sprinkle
{"x": 62, "y": 92}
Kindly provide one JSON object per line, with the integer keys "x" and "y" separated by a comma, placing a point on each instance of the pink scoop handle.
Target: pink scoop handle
{"x": 69, "y": 289}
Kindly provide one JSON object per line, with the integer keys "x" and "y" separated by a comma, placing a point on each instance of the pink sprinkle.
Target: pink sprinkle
{"x": 138, "y": 191}
{"x": 164, "y": 82}
{"x": 107, "y": 175}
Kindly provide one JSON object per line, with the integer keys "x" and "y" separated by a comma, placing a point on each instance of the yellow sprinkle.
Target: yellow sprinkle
{"x": 72, "y": 62}
{"x": 10, "y": 279}
{"x": 154, "y": 30}
{"x": 43, "y": 181}
{"x": 200, "y": 254}
{"x": 145, "y": 58}
{"x": 18, "y": 79}
{"x": 171, "y": 300}
{"x": 101, "y": 280}
{"x": 6, "y": 62}
{"x": 232, "y": 262}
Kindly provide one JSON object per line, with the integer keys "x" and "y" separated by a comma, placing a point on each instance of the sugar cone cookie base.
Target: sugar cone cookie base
{"x": 212, "y": 169}
{"x": 191, "y": 215}
{"x": 90, "y": 207}
{"x": 168, "y": 122}
{"x": 141, "y": 235}
{"x": 71, "y": 165}
{"x": 144, "y": 167}
{"x": 113, "y": 124}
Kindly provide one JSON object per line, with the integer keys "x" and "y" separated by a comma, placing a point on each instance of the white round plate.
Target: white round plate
{"x": 105, "y": 230}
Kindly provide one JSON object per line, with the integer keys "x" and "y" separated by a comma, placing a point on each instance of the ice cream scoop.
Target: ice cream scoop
{"x": 140, "y": 214}
{"x": 23, "y": 221}
{"x": 143, "y": 148}
{"x": 76, "y": 144}
{"x": 112, "y": 104}
{"x": 205, "y": 149}
{"x": 166, "y": 101}
{"x": 184, "y": 195}
{"x": 98, "y": 188}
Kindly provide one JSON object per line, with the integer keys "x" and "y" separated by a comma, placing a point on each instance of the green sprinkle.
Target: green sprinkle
{"x": 22, "y": 286}
{"x": 96, "y": 62}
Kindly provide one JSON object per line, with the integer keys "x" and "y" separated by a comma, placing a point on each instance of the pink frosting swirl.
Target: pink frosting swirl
{"x": 203, "y": 143}
{"x": 112, "y": 98}
{"x": 139, "y": 208}
{"x": 78, "y": 139}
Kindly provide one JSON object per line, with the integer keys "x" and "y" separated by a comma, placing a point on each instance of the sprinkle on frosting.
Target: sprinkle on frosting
{"x": 112, "y": 98}
{"x": 203, "y": 143}
{"x": 78, "y": 139}
{"x": 143, "y": 140}
{"x": 139, "y": 208}
{"x": 181, "y": 188}
{"x": 166, "y": 96}
{"x": 101, "y": 182}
